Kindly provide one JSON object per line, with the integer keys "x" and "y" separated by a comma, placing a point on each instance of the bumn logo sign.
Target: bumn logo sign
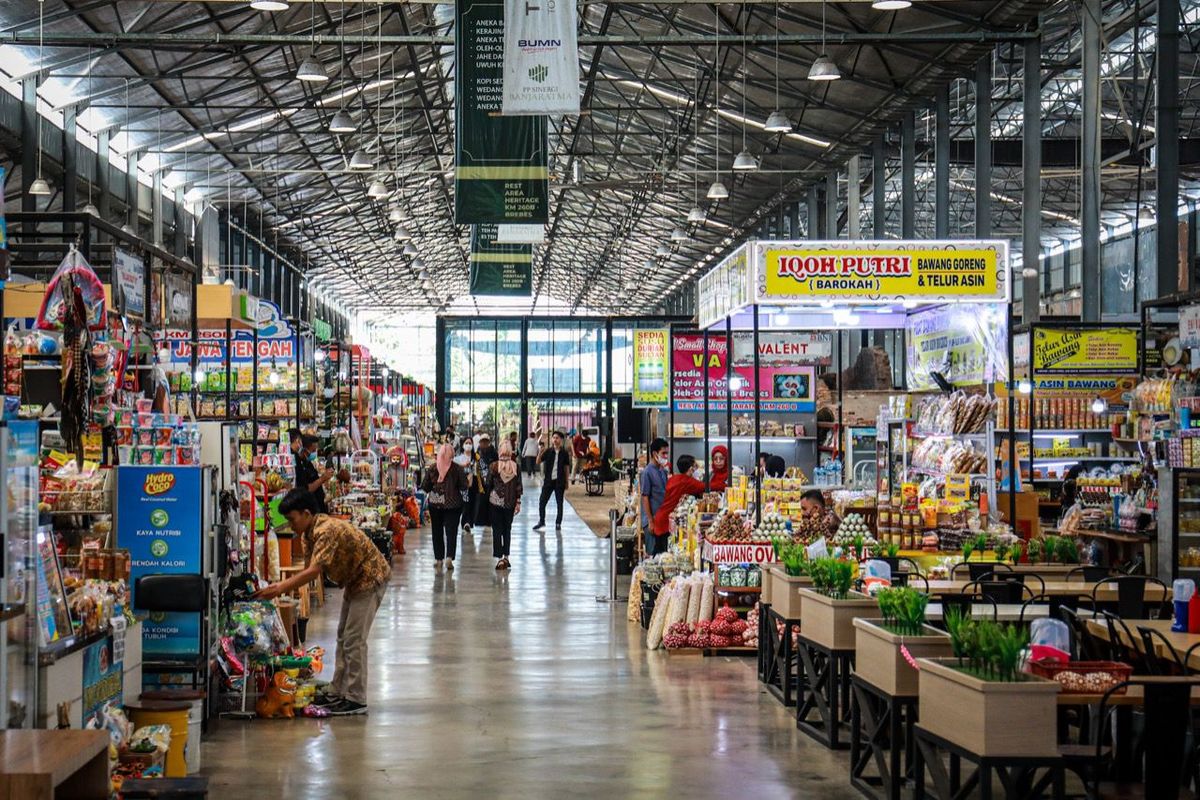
{"x": 538, "y": 74}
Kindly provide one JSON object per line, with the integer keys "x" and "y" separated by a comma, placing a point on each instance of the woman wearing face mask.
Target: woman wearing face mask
{"x": 718, "y": 468}
{"x": 504, "y": 498}
{"x": 468, "y": 459}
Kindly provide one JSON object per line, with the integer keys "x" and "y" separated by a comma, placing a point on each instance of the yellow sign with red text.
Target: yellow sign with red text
{"x": 925, "y": 272}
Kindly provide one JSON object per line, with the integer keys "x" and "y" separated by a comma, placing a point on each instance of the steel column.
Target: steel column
{"x": 794, "y": 221}
{"x": 941, "y": 167}
{"x": 983, "y": 147}
{"x": 853, "y": 199}
{"x": 831, "y": 205}
{"x": 103, "y": 174}
{"x": 156, "y": 211}
{"x": 1031, "y": 210}
{"x": 1167, "y": 169}
{"x": 70, "y": 159}
{"x": 878, "y": 195}
{"x": 814, "y": 213}
{"x": 1089, "y": 207}
{"x": 908, "y": 175}
{"x": 131, "y": 190}
{"x": 181, "y": 231}
{"x": 29, "y": 142}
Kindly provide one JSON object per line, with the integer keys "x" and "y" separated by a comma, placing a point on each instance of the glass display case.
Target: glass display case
{"x": 1182, "y": 508}
{"x": 18, "y": 589}
{"x": 861, "y": 468}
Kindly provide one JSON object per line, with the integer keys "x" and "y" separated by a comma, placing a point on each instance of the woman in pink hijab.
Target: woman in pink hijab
{"x": 503, "y": 486}
{"x": 444, "y": 485}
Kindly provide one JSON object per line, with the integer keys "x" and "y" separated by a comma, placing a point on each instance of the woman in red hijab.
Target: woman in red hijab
{"x": 718, "y": 468}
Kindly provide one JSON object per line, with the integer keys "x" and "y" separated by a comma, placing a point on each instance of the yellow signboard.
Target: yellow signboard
{"x": 862, "y": 272}
{"x": 1100, "y": 350}
{"x": 651, "y": 363}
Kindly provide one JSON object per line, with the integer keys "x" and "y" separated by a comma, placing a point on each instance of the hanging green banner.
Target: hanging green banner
{"x": 504, "y": 269}
{"x": 500, "y": 172}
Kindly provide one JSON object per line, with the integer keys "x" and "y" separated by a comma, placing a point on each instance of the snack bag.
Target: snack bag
{"x": 74, "y": 274}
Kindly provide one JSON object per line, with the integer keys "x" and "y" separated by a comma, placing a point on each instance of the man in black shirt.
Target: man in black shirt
{"x": 556, "y": 467}
{"x": 304, "y": 449}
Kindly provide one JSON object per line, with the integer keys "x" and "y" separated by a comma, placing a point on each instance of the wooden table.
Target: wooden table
{"x": 35, "y": 764}
{"x": 1005, "y": 612}
{"x": 1180, "y": 641}
{"x": 1154, "y": 593}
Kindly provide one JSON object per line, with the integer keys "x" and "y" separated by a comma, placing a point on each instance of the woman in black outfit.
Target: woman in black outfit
{"x": 444, "y": 485}
{"x": 504, "y": 497}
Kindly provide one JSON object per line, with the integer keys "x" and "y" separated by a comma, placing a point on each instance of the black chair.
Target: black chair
{"x": 1123, "y": 646}
{"x": 1131, "y": 600}
{"x": 965, "y": 604}
{"x": 1090, "y": 574}
{"x": 1085, "y": 645}
{"x": 1166, "y": 749}
{"x": 176, "y": 594}
{"x": 1000, "y": 592}
{"x": 1173, "y": 663}
{"x": 1038, "y": 601}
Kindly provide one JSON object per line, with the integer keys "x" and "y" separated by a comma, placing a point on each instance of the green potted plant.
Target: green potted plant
{"x": 780, "y": 590}
{"x": 1034, "y": 550}
{"x": 980, "y": 700}
{"x": 1015, "y": 552}
{"x": 1067, "y": 551}
{"x": 878, "y": 642}
{"x": 828, "y": 609}
{"x": 1049, "y": 548}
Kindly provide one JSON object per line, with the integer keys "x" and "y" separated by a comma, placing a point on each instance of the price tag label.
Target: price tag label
{"x": 958, "y": 488}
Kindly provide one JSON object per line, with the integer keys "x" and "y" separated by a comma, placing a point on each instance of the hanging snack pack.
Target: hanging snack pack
{"x": 53, "y": 313}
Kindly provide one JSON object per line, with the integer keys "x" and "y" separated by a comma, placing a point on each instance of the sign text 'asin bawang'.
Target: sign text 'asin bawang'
{"x": 861, "y": 272}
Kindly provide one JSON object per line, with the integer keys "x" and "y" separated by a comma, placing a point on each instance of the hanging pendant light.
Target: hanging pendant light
{"x": 410, "y": 249}
{"x": 823, "y": 69}
{"x": 717, "y": 191}
{"x": 402, "y": 233}
{"x": 269, "y": 5}
{"x": 662, "y": 250}
{"x": 890, "y": 5}
{"x": 395, "y": 214}
{"x": 778, "y": 122}
{"x": 419, "y": 265}
{"x": 342, "y": 122}
{"x": 39, "y": 187}
{"x": 91, "y": 209}
{"x": 361, "y": 160}
{"x": 696, "y": 215}
{"x": 377, "y": 190}
{"x": 423, "y": 275}
{"x": 745, "y": 162}
{"x": 679, "y": 234}
{"x": 128, "y": 229}
{"x": 311, "y": 71}
{"x": 649, "y": 265}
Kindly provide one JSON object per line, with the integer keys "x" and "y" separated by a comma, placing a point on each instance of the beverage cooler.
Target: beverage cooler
{"x": 1179, "y": 524}
{"x": 861, "y": 467}
{"x": 19, "y": 606}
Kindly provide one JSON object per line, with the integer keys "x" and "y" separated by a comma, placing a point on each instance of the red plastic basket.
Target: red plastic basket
{"x": 1048, "y": 668}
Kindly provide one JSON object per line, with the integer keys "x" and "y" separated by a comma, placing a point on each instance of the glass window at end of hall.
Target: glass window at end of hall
{"x": 622, "y": 359}
{"x": 471, "y": 354}
{"x": 566, "y": 357}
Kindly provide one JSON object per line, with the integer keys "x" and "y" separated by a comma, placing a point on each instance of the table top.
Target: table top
{"x": 1056, "y": 588}
{"x": 59, "y": 754}
{"x": 1005, "y": 612}
{"x": 1180, "y": 641}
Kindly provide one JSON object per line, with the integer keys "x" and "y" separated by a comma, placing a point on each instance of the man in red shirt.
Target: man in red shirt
{"x": 683, "y": 482}
{"x": 579, "y": 448}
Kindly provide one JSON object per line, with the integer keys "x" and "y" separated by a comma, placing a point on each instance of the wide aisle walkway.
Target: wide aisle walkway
{"x": 485, "y": 685}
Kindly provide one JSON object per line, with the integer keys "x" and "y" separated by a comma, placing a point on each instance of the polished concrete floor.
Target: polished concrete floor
{"x": 486, "y": 685}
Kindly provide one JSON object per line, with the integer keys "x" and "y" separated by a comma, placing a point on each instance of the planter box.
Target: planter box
{"x": 829, "y": 622}
{"x": 765, "y": 597}
{"x": 878, "y": 659}
{"x": 989, "y": 718}
{"x": 785, "y": 592}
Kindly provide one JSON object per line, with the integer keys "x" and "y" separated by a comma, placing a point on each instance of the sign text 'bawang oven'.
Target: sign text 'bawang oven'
{"x": 856, "y": 273}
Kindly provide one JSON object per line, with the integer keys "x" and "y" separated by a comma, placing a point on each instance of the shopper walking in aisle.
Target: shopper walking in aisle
{"x": 337, "y": 550}
{"x": 513, "y": 441}
{"x": 654, "y": 490}
{"x": 529, "y": 453}
{"x": 487, "y": 455}
{"x": 556, "y": 469}
{"x": 682, "y": 483}
{"x": 444, "y": 485}
{"x": 468, "y": 460}
{"x": 579, "y": 446}
{"x": 718, "y": 468}
{"x": 504, "y": 497}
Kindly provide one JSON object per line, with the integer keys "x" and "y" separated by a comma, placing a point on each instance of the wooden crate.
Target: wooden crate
{"x": 785, "y": 596}
{"x": 989, "y": 718}
{"x": 829, "y": 622}
{"x": 878, "y": 659}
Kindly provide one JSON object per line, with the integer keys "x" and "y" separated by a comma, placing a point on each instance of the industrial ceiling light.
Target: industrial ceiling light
{"x": 39, "y": 187}
{"x": 361, "y": 160}
{"x": 823, "y": 69}
{"x": 662, "y": 250}
{"x": 890, "y": 5}
{"x": 269, "y": 5}
{"x": 649, "y": 265}
{"x": 342, "y": 122}
{"x": 419, "y": 265}
{"x": 311, "y": 71}
{"x": 395, "y": 214}
{"x": 128, "y": 229}
{"x": 410, "y": 249}
{"x": 679, "y": 234}
{"x": 377, "y": 190}
{"x": 423, "y": 275}
{"x": 745, "y": 162}
{"x": 696, "y": 215}
{"x": 777, "y": 122}
{"x": 402, "y": 233}
{"x": 91, "y": 209}
{"x": 717, "y": 191}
